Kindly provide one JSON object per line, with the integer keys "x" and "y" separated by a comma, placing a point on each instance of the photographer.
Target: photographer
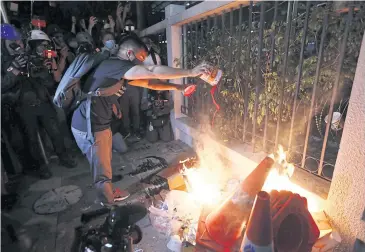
{"x": 31, "y": 75}
{"x": 66, "y": 56}
{"x": 158, "y": 116}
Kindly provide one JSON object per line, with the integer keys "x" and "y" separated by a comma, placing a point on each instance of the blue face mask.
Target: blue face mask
{"x": 110, "y": 44}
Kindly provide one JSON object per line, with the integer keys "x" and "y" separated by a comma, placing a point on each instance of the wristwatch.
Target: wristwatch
{"x": 10, "y": 69}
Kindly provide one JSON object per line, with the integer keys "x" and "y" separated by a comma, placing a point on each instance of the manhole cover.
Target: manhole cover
{"x": 57, "y": 200}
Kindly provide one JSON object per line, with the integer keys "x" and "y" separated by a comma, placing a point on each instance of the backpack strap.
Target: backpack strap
{"x": 108, "y": 91}
{"x": 153, "y": 56}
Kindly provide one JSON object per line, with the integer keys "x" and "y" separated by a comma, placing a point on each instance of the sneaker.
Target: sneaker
{"x": 138, "y": 136}
{"x": 67, "y": 161}
{"x": 120, "y": 195}
{"x": 44, "y": 172}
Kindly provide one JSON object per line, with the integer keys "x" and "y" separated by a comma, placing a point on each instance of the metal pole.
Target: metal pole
{"x": 272, "y": 57}
{"x": 238, "y": 60}
{"x": 315, "y": 84}
{"x": 245, "y": 114}
{"x": 283, "y": 77}
{"x": 3, "y": 12}
{"x": 300, "y": 70}
{"x": 258, "y": 73}
{"x": 335, "y": 87}
{"x": 41, "y": 146}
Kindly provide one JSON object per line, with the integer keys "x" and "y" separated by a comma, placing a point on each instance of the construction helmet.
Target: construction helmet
{"x": 38, "y": 35}
{"x": 9, "y": 32}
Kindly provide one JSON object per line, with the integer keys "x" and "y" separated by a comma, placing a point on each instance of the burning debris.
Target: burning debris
{"x": 218, "y": 214}
{"x": 150, "y": 165}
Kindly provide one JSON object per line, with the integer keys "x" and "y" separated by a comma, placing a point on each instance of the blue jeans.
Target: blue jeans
{"x": 99, "y": 154}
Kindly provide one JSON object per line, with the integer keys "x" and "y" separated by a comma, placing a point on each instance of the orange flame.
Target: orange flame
{"x": 205, "y": 184}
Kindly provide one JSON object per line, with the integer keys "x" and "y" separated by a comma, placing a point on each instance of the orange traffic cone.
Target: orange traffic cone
{"x": 258, "y": 236}
{"x": 225, "y": 224}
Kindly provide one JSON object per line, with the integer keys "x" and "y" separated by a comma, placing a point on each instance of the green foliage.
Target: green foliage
{"x": 240, "y": 73}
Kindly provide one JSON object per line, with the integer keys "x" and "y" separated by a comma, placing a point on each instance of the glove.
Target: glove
{"x": 19, "y": 62}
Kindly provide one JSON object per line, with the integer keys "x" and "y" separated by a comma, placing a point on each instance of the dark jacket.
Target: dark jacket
{"x": 26, "y": 90}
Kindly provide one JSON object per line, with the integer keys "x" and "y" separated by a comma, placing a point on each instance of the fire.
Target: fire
{"x": 206, "y": 186}
{"x": 203, "y": 186}
{"x": 275, "y": 181}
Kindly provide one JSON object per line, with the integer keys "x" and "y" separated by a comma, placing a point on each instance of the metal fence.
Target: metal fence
{"x": 285, "y": 76}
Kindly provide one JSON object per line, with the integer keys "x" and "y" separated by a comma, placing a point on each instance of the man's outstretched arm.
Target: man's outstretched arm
{"x": 140, "y": 72}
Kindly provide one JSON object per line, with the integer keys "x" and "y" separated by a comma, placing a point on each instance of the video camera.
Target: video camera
{"x": 35, "y": 63}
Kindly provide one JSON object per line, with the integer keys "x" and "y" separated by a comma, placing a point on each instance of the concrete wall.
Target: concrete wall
{"x": 346, "y": 200}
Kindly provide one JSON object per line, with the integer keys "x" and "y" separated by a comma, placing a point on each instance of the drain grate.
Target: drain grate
{"x": 57, "y": 200}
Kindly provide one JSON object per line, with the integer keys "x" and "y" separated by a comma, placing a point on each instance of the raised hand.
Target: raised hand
{"x": 120, "y": 9}
{"x": 202, "y": 68}
{"x": 82, "y": 24}
{"x": 92, "y": 21}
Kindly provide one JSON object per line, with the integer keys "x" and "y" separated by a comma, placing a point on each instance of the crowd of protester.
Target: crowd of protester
{"x": 36, "y": 129}
{"x": 39, "y": 58}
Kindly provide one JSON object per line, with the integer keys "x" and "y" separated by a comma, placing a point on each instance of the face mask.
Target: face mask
{"x": 135, "y": 60}
{"x": 40, "y": 50}
{"x": 110, "y": 44}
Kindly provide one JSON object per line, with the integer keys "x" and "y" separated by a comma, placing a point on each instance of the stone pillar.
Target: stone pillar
{"x": 141, "y": 21}
{"x": 346, "y": 199}
{"x": 174, "y": 46}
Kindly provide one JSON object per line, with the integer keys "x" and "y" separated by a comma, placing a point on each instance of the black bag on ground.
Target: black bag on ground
{"x": 69, "y": 92}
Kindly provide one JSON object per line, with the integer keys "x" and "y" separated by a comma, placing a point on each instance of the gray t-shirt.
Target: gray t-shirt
{"x": 108, "y": 73}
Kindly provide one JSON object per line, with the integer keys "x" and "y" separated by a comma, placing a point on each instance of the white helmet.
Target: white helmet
{"x": 38, "y": 35}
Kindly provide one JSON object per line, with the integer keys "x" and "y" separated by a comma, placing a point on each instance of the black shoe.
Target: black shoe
{"x": 138, "y": 136}
{"x": 44, "y": 172}
{"x": 67, "y": 161}
{"x": 117, "y": 178}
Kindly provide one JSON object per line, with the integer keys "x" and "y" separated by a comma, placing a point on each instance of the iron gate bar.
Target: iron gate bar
{"x": 300, "y": 70}
{"x": 335, "y": 87}
{"x": 286, "y": 45}
{"x": 272, "y": 57}
{"x": 202, "y": 52}
{"x": 183, "y": 61}
{"x": 316, "y": 80}
{"x": 191, "y": 55}
{"x": 245, "y": 115}
{"x": 208, "y": 34}
{"x": 238, "y": 60}
{"x": 196, "y": 57}
{"x": 231, "y": 35}
{"x": 258, "y": 72}
{"x": 222, "y": 43}
{"x": 294, "y": 19}
{"x": 230, "y": 59}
